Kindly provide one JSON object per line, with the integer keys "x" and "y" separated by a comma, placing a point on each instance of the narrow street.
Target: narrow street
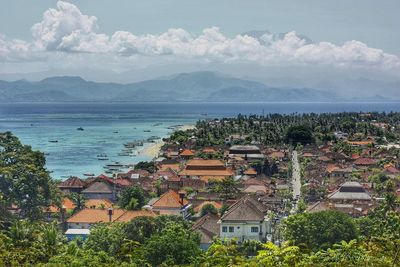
{"x": 296, "y": 182}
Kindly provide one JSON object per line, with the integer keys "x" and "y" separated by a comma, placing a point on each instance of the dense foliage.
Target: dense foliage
{"x": 132, "y": 198}
{"x": 273, "y": 129}
{"x": 319, "y": 230}
{"x": 24, "y": 181}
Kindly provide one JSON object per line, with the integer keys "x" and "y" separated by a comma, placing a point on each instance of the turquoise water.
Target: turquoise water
{"x": 107, "y": 126}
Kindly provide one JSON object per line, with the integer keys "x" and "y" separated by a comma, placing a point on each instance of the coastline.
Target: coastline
{"x": 154, "y": 150}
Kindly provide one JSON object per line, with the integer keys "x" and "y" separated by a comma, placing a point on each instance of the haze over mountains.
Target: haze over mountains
{"x": 195, "y": 86}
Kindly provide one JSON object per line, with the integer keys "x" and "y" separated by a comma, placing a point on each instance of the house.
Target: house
{"x": 365, "y": 163}
{"x": 251, "y": 172}
{"x": 350, "y": 191}
{"x": 72, "y": 185}
{"x": 245, "y": 220}
{"x": 196, "y": 168}
{"x": 67, "y": 204}
{"x": 86, "y": 218}
{"x": 99, "y": 190}
{"x": 208, "y": 228}
{"x": 249, "y": 153}
{"x": 341, "y": 135}
{"x": 186, "y": 154}
{"x": 172, "y": 203}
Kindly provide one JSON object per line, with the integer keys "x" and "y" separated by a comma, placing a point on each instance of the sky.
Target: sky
{"x": 302, "y": 43}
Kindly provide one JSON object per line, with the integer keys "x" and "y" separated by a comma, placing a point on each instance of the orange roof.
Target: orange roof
{"x": 67, "y": 204}
{"x": 215, "y": 204}
{"x": 169, "y": 199}
{"x": 360, "y": 143}
{"x": 207, "y": 178}
{"x": 205, "y": 162}
{"x": 331, "y": 167}
{"x": 277, "y": 154}
{"x": 98, "y": 203}
{"x": 132, "y": 214}
{"x": 308, "y": 154}
{"x": 250, "y": 171}
{"x": 165, "y": 167}
{"x": 355, "y": 156}
{"x": 95, "y": 216}
{"x": 365, "y": 161}
{"x": 226, "y": 172}
{"x": 187, "y": 152}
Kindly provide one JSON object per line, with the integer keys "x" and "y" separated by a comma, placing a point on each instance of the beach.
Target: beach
{"x": 153, "y": 150}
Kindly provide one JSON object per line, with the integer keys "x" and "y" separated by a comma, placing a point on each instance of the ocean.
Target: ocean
{"x": 53, "y": 127}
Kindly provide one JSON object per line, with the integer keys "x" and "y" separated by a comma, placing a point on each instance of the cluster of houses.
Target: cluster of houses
{"x": 182, "y": 185}
{"x": 343, "y": 182}
{"x": 186, "y": 177}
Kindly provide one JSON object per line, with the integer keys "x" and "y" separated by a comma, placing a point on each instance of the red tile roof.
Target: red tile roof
{"x": 187, "y": 152}
{"x": 169, "y": 199}
{"x": 72, "y": 182}
{"x": 365, "y": 161}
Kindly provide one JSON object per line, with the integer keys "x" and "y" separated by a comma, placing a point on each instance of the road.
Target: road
{"x": 296, "y": 182}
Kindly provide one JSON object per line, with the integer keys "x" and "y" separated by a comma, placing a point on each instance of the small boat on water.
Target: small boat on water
{"x": 102, "y": 157}
{"x": 157, "y": 124}
{"x": 115, "y": 132}
{"x": 88, "y": 174}
{"x": 153, "y": 139}
{"x": 147, "y": 131}
{"x": 133, "y": 144}
{"x": 80, "y": 129}
{"x": 53, "y": 141}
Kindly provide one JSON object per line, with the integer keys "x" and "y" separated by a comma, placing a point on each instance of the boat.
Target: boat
{"x": 115, "y": 132}
{"x": 147, "y": 131}
{"x": 88, "y": 174}
{"x": 80, "y": 129}
{"x": 102, "y": 157}
{"x": 153, "y": 139}
{"x": 53, "y": 141}
{"x": 157, "y": 124}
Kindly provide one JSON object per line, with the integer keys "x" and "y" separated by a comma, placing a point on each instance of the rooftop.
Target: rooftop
{"x": 169, "y": 199}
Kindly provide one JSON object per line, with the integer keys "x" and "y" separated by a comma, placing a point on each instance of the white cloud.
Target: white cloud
{"x": 65, "y": 29}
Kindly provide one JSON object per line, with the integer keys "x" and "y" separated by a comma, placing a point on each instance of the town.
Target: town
{"x": 245, "y": 180}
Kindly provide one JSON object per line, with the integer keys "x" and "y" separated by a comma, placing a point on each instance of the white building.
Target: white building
{"x": 245, "y": 220}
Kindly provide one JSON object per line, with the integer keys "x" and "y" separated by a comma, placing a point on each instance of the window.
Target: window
{"x": 231, "y": 229}
{"x": 224, "y": 229}
{"x": 254, "y": 229}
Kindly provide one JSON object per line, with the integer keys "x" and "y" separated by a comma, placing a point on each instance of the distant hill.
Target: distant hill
{"x": 196, "y": 86}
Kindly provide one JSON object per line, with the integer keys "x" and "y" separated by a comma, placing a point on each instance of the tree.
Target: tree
{"x": 106, "y": 237}
{"x": 132, "y": 198}
{"x": 299, "y": 134}
{"x": 227, "y": 188}
{"x": 146, "y": 165}
{"x": 79, "y": 201}
{"x": 208, "y": 208}
{"x": 24, "y": 180}
{"x": 319, "y": 230}
{"x": 174, "y": 245}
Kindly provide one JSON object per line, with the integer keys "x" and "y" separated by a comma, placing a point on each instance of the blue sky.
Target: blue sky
{"x": 103, "y": 39}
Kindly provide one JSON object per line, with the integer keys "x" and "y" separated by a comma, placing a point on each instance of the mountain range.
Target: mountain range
{"x": 196, "y": 86}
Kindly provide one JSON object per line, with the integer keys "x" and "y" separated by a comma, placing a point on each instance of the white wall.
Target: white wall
{"x": 242, "y": 230}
